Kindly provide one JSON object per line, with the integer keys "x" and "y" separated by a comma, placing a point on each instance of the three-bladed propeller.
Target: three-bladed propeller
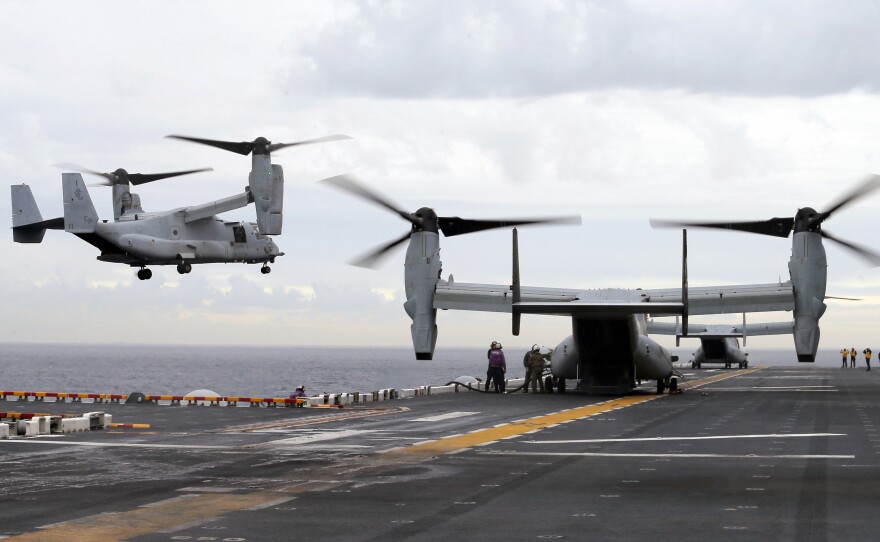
{"x": 121, "y": 176}
{"x": 425, "y": 219}
{"x": 260, "y": 145}
{"x": 807, "y": 219}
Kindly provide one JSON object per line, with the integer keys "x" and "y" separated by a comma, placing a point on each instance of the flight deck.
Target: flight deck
{"x": 786, "y": 453}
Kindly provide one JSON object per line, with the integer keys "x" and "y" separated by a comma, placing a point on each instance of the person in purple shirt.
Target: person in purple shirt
{"x": 299, "y": 392}
{"x": 497, "y": 367}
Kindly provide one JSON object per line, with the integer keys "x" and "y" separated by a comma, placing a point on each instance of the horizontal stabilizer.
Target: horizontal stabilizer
{"x": 605, "y": 308}
{"x": 28, "y": 225}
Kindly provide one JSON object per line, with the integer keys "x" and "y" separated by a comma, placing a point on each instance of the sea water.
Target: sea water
{"x": 266, "y": 371}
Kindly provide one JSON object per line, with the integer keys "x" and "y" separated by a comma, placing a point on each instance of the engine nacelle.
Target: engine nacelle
{"x": 421, "y": 274}
{"x": 808, "y": 268}
{"x": 266, "y": 183}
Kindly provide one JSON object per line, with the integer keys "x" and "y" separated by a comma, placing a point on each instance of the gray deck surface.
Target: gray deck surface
{"x": 798, "y": 459}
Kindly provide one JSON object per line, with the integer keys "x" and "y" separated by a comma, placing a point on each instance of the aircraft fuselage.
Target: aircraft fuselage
{"x": 166, "y": 239}
{"x": 609, "y": 355}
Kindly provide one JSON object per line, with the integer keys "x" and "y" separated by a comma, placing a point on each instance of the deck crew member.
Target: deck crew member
{"x": 536, "y": 370}
{"x": 852, "y": 357}
{"x": 867, "y": 352}
{"x": 489, "y": 368}
{"x": 843, "y": 355}
{"x": 299, "y": 392}
{"x": 497, "y": 367}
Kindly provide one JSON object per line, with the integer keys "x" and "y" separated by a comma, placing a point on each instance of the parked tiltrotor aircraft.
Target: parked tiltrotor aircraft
{"x": 183, "y": 236}
{"x": 609, "y": 349}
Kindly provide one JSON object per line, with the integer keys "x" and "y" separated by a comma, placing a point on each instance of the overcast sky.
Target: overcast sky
{"x": 615, "y": 111}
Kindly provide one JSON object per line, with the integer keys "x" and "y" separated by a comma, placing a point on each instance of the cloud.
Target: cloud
{"x": 519, "y": 48}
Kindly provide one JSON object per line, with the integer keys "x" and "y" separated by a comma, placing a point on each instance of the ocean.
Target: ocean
{"x": 264, "y": 371}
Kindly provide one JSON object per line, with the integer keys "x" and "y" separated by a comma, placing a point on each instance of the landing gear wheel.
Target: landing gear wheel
{"x": 548, "y": 384}
{"x": 745, "y": 365}
{"x": 145, "y": 274}
{"x": 673, "y": 385}
{"x": 661, "y": 386}
{"x": 265, "y": 270}
{"x": 561, "y": 385}
{"x": 693, "y": 365}
{"x": 181, "y": 269}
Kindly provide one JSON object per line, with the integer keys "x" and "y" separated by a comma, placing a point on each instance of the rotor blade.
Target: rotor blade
{"x": 349, "y": 184}
{"x": 371, "y": 259}
{"x": 336, "y": 137}
{"x": 241, "y": 147}
{"x": 777, "y": 227}
{"x": 843, "y": 298}
{"x": 453, "y": 225}
{"x": 872, "y": 257}
{"x": 79, "y": 169}
{"x": 870, "y": 184}
{"x": 141, "y": 178}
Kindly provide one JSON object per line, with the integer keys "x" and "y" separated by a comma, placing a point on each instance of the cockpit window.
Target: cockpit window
{"x": 239, "y": 234}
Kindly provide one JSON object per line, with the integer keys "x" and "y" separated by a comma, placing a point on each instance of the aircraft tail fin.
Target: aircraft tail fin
{"x": 28, "y": 225}
{"x": 516, "y": 291}
{"x": 79, "y": 212}
{"x": 684, "y": 284}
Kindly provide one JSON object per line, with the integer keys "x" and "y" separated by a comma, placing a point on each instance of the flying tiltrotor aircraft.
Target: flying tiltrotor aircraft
{"x": 609, "y": 350}
{"x": 183, "y": 236}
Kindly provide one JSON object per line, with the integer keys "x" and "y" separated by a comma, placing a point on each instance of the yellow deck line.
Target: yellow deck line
{"x": 511, "y": 429}
{"x": 155, "y": 517}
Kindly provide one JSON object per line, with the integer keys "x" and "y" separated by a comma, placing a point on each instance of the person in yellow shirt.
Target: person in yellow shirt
{"x": 843, "y": 355}
{"x": 852, "y": 357}
{"x": 867, "y": 352}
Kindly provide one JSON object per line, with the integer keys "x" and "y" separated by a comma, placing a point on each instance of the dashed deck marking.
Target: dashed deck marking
{"x": 671, "y": 455}
{"x": 492, "y": 434}
{"x": 442, "y": 417}
{"x": 658, "y": 439}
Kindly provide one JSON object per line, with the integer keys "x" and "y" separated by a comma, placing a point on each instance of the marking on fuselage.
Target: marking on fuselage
{"x": 441, "y": 417}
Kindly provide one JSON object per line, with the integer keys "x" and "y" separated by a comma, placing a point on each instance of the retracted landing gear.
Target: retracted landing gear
{"x": 183, "y": 268}
{"x": 144, "y": 274}
{"x": 265, "y": 269}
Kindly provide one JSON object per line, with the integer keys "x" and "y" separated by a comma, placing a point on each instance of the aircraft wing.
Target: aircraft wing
{"x": 566, "y": 301}
{"x": 558, "y": 301}
{"x": 730, "y": 299}
{"x": 206, "y": 210}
